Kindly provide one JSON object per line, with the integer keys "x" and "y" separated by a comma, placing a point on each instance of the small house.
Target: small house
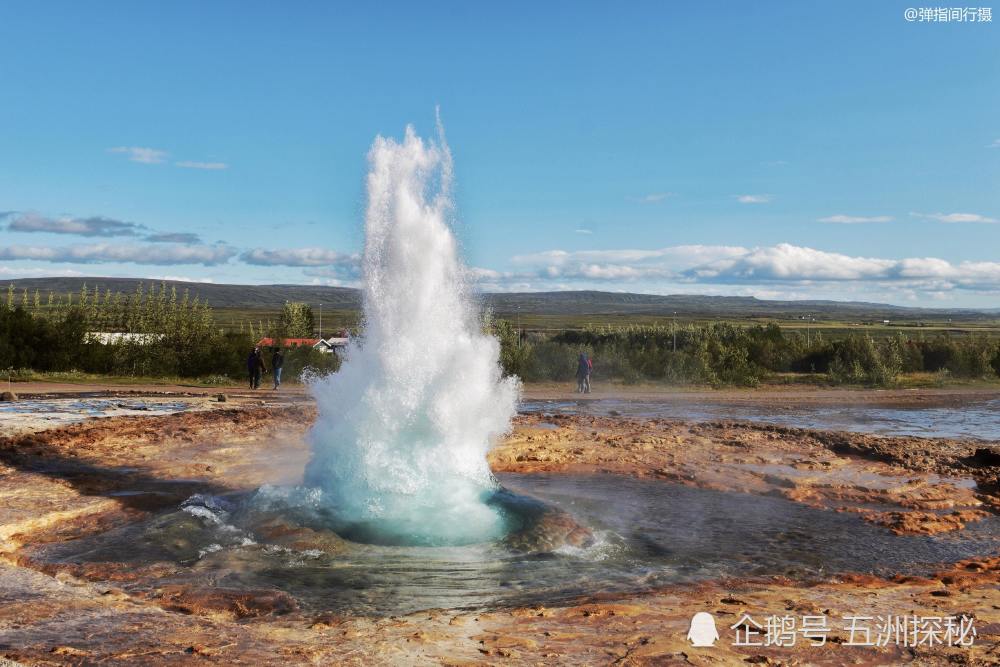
{"x": 331, "y": 344}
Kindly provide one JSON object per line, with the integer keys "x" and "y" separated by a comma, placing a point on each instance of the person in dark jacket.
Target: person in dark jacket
{"x": 582, "y": 373}
{"x": 277, "y": 361}
{"x": 252, "y": 367}
{"x": 259, "y": 368}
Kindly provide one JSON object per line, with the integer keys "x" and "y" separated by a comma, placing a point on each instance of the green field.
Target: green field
{"x": 335, "y": 319}
{"x": 232, "y": 319}
{"x": 832, "y": 327}
{"x": 549, "y": 312}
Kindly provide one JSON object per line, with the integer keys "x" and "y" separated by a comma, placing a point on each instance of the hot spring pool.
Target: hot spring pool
{"x": 977, "y": 419}
{"x": 646, "y": 534}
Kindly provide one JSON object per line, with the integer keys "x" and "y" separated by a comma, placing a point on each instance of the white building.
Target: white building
{"x": 115, "y": 337}
{"x": 330, "y": 345}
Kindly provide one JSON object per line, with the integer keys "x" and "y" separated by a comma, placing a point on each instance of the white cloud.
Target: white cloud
{"x": 652, "y": 197}
{"x": 298, "y": 257}
{"x": 855, "y": 219}
{"x": 188, "y": 164}
{"x": 343, "y": 274}
{"x": 94, "y": 226}
{"x": 581, "y": 230}
{"x": 995, "y": 144}
{"x": 146, "y": 155}
{"x": 753, "y": 199}
{"x": 157, "y": 254}
{"x": 786, "y": 268}
{"x": 480, "y": 275}
{"x": 180, "y": 279}
{"x": 616, "y": 265}
{"x": 786, "y": 262}
{"x": 794, "y": 264}
{"x": 334, "y": 281}
{"x": 955, "y": 217}
{"x": 35, "y": 272}
{"x": 684, "y": 255}
{"x": 141, "y": 154}
{"x": 174, "y": 237}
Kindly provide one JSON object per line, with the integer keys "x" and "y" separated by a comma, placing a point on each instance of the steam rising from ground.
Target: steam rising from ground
{"x": 399, "y": 449}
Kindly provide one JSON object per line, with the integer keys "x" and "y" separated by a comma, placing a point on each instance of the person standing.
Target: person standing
{"x": 277, "y": 361}
{"x": 582, "y": 373}
{"x": 252, "y": 367}
{"x": 258, "y": 368}
{"x": 590, "y": 369}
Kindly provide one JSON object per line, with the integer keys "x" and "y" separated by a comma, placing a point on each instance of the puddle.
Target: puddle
{"x": 71, "y": 410}
{"x": 648, "y": 534}
{"x": 978, "y": 420}
{"x": 547, "y": 426}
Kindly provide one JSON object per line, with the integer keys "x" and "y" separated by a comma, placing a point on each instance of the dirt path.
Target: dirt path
{"x": 769, "y": 395}
{"x": 64, "y": 389}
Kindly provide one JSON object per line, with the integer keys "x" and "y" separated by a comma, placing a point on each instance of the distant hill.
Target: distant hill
{"x": 528, "y": 303}
{"x": 599, "y": 303}
{"x": 219, "y": 296}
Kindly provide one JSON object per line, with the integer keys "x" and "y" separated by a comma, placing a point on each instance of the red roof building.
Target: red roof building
{"x": 288, "y": 342}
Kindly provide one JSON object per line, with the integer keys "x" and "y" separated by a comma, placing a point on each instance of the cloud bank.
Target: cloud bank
{"x": 953, "y": 218}
{"x": 783, "y": 265}
{"x": 652, "y": 197}
{"x": 212, "y": 166}
{"x": 298, "y": 257}
{"x": 157, "y": 254}
{"x": 94, "y": 226}
{"x": 753, "y": 199}
{"x": 141, "y": 154}
{"x": 174, "y": 237}
{"x": 855, "y": 219}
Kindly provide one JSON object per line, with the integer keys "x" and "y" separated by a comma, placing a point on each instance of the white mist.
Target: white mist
{"x": 399, "y": 447}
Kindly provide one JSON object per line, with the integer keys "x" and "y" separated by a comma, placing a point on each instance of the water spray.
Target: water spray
{"x": 399, "y": 447}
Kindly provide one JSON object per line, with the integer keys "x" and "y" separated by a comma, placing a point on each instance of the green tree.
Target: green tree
{"x": 296, "y": 320}
{"x": 515, "y": 354}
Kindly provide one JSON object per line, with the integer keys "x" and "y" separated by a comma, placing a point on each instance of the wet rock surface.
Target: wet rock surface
{"x": 71, "y": 482}
{"x": 916, "y": 485}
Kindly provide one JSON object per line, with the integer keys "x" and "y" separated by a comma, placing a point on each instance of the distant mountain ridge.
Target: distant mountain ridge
{"x": 583, "y": 302}
{"x": 217, "y": 295}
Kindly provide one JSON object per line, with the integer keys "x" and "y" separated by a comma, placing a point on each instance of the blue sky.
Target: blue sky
{"x": 777, "y": 149}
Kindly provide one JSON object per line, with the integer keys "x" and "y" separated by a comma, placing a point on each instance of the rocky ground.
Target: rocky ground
{"x": 72, "y": 480}
{"x": 912, "y": 485}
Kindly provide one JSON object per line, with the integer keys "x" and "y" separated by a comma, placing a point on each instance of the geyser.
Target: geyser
{"x": 399, "y": 447}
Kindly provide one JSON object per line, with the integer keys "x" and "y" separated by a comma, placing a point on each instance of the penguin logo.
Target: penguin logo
{"x": 703, "y": 632}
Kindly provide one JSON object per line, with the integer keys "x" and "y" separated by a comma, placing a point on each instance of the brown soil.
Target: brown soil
{"x": 58, "y": 484}
{"x": 912, "y": 485}
{"x": 770, "y": 394}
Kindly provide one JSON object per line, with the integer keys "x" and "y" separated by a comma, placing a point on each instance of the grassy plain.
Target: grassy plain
{"x": 231, "y": 318}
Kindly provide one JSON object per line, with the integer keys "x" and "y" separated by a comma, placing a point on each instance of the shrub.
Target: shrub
{"x": 860, "y": 360}
{"x": 552, "y": 361}
{"x": 726, "y": 354}
{"x": 515, "y": 354}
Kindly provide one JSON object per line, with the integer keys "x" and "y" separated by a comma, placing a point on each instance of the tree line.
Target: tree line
{"x": 728, "y": 354}
{"x": 156, "y": 331}
{"x": 151, "y": 332}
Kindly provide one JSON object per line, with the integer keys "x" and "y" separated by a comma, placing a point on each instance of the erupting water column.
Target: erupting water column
{"x": 399, "y": 448}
